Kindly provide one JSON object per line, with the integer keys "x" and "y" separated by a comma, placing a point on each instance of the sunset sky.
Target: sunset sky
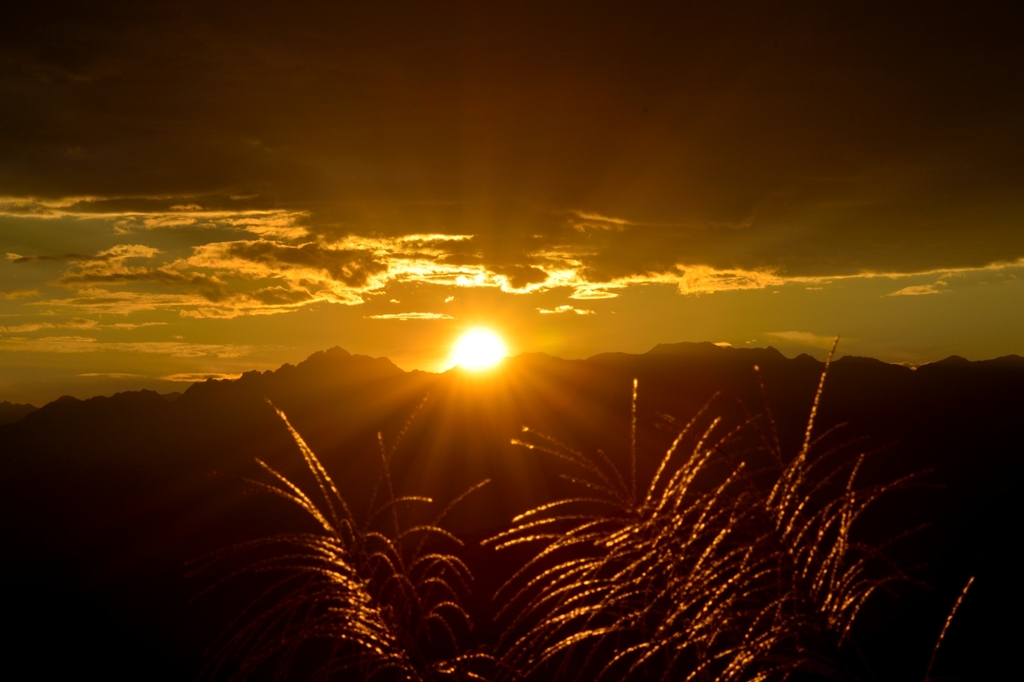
{"x": 190, "y": 191}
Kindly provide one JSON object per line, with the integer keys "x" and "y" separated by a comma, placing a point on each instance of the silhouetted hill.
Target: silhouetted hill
{"x": 12, "y": 412}
{"x": 105, "y": 500}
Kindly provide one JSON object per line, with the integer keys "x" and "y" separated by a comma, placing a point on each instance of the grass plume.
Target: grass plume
{"x": 726, "y": 569}
{"x": 737, "y": 561}
{"x": 351, "y": 599}
{"x": 945, "y": 629}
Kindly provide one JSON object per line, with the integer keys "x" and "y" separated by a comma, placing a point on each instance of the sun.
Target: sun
{"x": 478, "y": 349}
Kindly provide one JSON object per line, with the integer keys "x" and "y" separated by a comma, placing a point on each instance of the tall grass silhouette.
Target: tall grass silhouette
{"x": 736, "y": 563}
{"x": 369, "y": 600}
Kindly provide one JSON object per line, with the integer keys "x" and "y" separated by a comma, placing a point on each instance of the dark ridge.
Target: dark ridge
{"x": 804, "y": 358}
{"x": 871, "y": 365}
{"x": 536, "y": 355}
{"x": 710, "y": 350}
{"x": 1005, "y": 361}
{"x": 104, "y": 501}
{"x": 862, "y": 361}
{"x": 951, "y": 361}
{"x": 12, "y": 412}
{"x": 686, "y": 348}
{"x": 610, "y": 357}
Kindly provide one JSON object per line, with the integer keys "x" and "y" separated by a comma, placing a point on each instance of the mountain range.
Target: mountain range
{"x": 106, "y": 501}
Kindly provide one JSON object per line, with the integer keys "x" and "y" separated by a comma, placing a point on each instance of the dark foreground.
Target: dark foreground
{"x": 106, "y": 501}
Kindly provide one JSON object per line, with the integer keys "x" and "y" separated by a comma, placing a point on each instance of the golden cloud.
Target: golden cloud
{"x": 595, "y": 292}
{"x": 283, "y": 267}
{"x": 582, "y": 221}
{"x": 805, "y": 338}
{"x": 410, "y": 316}
{"x": 11, "y": 294}
{"x": 995, "y": 267}
{"x": 565, "y": 309}
{"x": 344, "y": 270}
{"x": 195, "y": 377}
{"x": 920, "y": 290}
{"x": 86, "y": 344}
{"x": 135, "y": 214}
{"x": 75, "y": 323}
{"x": 289, "y": 276}
{"x": 103, "y": 301}
{"x": 25, "y": 328}
{"x": 131, "y": 325}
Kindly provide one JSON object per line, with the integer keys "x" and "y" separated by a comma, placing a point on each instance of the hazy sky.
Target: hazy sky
{"x": 187, "y": 190}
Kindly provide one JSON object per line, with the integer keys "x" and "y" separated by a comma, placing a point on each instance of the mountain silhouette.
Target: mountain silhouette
{"x": 12, "y": 412}
{"x": 106, "y": 500}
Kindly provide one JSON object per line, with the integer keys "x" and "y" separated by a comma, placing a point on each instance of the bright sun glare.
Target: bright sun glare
{"x": 478, "y": 349}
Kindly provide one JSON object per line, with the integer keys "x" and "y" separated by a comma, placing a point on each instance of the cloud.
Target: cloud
{"x": 109, "y": 267}
{"x": 410, "y": 316}
{"x": 17, "y": 258}
{"x": 344, "y": 270}
{"x": 565, "y": 309}
{"x": 216, "y": 280}
{"x": 209, "y": 287}
{"x": 76, "y": 323}
{"x": 112, "y": 375}
{"x": 35, "y": 207}
{"x": 237, "y": 307}
{"x": 805, "y": 338}
{"x": 350, "y": 267}
{"x": 582, "y": 221}
{"x": 520, "y": 277}
{"x": 274, "y": 273}
{"x": 114, "y": 254}
{"x": 688, "y": 280}
{"x": 703, "y": 279}
{"x": 24, "y": 328}
{"x": 85, "y": 344}
{"x": 141, "y": 213}
{"x": 920, "y": 290}
{"x": 433, "y": 238}
{"x": 595, "y": 292}
{"x": 102, "y": 301}
{"x": 358, "y": 126}
{"x": 997, "y": 267}
{"x": 11, "y": 294}
{"x": 195, "y": 377}
{"x": 131, "y": 325}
